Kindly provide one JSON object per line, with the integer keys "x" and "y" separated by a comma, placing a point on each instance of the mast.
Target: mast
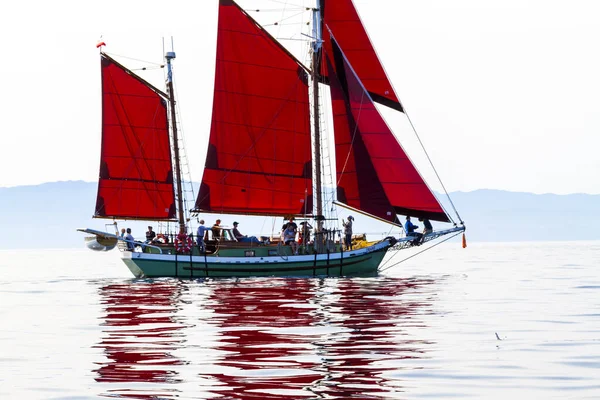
{"x": 169, "y": 56}
{"x": 315, "y": 82}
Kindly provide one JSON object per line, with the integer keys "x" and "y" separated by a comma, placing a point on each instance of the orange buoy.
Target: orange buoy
{"x": 464, "y": 241}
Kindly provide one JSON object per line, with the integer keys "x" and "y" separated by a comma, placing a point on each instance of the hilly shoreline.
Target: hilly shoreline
{"x": 47, "y": 216}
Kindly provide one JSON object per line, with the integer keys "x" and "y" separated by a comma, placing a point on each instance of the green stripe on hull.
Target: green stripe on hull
{"x": 363, "y": 264}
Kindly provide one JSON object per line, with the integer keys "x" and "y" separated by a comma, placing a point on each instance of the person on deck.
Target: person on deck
{"x": 304, "y": 233}
{"x": 289, "y": 223}
{"x": 150, "y": 235}
{"x": 289, "y": 237}
{"x": 427, "y": 227}
{"x": 411, "y": 231}
{"x": 130, "y": 240}
{"x": 200, "y": 236}
{"x": 122, "y": 232}
{"x": 243, "y": 238}
{"x": 216, "y": 230}
{"x": 348, "y": 232}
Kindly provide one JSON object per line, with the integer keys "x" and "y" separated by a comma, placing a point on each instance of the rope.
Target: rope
{"x": 416, "y": 254}
{"x": 433, "y": 167}
{"x": 353, "y": 138}
{"x": 156, "y": 65}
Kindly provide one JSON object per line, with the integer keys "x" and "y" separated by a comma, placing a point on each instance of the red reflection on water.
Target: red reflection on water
{"x": 140, "y": 334}
{"x": 377, "y": 315}
{"x": 305, "y": 338}
{"x": 259, "y": 360}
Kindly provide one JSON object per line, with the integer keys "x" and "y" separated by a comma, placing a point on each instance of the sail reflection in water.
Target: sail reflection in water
{"x": 313, "y": 338}
{"x": 261, "y": 338}
{"x": 141, "y": 333}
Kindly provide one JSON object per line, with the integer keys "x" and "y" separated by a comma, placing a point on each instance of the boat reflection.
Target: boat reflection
{"x": 140, "y": 334}
{"x": 332, "y": 338}
{"x": 262, "y": 338}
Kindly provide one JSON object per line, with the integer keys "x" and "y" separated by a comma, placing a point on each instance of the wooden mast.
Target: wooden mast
{"x": 181, "y": 217}
{"x": 317, "y": 133}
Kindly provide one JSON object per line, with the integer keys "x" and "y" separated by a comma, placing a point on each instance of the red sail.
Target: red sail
{"x": 136, "y": 179}
{"x": 374, "y": 173}
{"x": 341, "y": 18}
{"x": 259, "y": 152}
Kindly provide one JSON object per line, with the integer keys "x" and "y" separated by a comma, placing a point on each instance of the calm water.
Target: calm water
{"x": 74, "y": 325}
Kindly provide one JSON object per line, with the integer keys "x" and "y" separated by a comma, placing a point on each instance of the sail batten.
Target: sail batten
{"x": 136, "y": 180}
{"x": 374, "y": 173}
{"x": 259, "y": 154}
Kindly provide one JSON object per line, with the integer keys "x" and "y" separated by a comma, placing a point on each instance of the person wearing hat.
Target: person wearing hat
{"x": 243, "y": 238}
{"x": 150, "y": 235}
{"x": 348, "y": 232}
{"x": 304, "y": 233}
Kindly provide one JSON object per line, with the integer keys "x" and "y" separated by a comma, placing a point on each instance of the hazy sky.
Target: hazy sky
{"x": 504, "y": 94}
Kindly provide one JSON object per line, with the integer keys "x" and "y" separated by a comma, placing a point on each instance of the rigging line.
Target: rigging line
{"x": 148, "y": 68}
{"x": 286, "y": 2}
{"x": 281, "y": 16}
{"x": 256, "y": 10}
{"x": 135, "y": 59}
{"x": 290, "y": 17}
{"x": 416, "y": 254}
{"x": 353, "y": 138}
{"x": 261, "y": 134}
{"x": 392, "y": 257}
{"x": 183, "y": 150}
{"x": 286, "y": 24}
{"x": 295, "y": 40}
{"x": 432, "y": 166}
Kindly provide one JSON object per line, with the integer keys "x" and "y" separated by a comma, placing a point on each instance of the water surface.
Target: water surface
{"x": 491, "y": 321}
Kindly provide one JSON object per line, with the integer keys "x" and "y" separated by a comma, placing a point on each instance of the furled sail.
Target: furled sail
{"x": 136, "y": 179}
{"x": 374, "y": 173}
{"x": 341, "y": 18}
{"x": 259, "y": 151}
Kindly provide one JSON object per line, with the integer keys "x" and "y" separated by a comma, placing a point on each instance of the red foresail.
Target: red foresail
{"x": 259, "y": 152}
{"x": 341, "y": 18}
{"x": 374, "y": 173}
{"x": 136, "y": 179}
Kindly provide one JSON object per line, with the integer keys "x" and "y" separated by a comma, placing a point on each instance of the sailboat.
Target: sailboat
{"x": 264, "y": 155}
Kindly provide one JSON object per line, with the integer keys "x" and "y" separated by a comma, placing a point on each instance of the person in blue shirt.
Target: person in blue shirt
{"x": 411, "y": 230}
{"x": 200, "y": 236}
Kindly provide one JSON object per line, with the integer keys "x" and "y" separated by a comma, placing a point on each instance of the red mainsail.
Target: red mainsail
{"x": 259, "y": 151}
{"x": 340, "y": 17}
{"x": 136, "y": 179}
{"x": 374, "y": 173}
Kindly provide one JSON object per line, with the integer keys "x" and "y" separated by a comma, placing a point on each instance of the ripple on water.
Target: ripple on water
{"x": 428, "y": 330}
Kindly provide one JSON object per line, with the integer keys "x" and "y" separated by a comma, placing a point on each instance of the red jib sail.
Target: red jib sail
{"x": 259, "y": 151}
{"x": 340, "y": 17}
{"x": 136, "y": 179}
{"x": 374, "y": 173}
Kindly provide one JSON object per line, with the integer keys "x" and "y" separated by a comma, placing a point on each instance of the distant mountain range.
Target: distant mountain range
{"x": 47, "y": 216}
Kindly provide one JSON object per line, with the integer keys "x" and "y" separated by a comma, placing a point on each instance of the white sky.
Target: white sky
{"x": 504, "y": 94}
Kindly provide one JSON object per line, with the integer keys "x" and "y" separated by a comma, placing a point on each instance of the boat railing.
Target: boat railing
{"x": 410, "y": 241}
{"x": 124, "y": 247}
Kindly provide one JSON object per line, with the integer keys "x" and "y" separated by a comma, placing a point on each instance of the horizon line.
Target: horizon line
{"x": 455, "y": 191}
